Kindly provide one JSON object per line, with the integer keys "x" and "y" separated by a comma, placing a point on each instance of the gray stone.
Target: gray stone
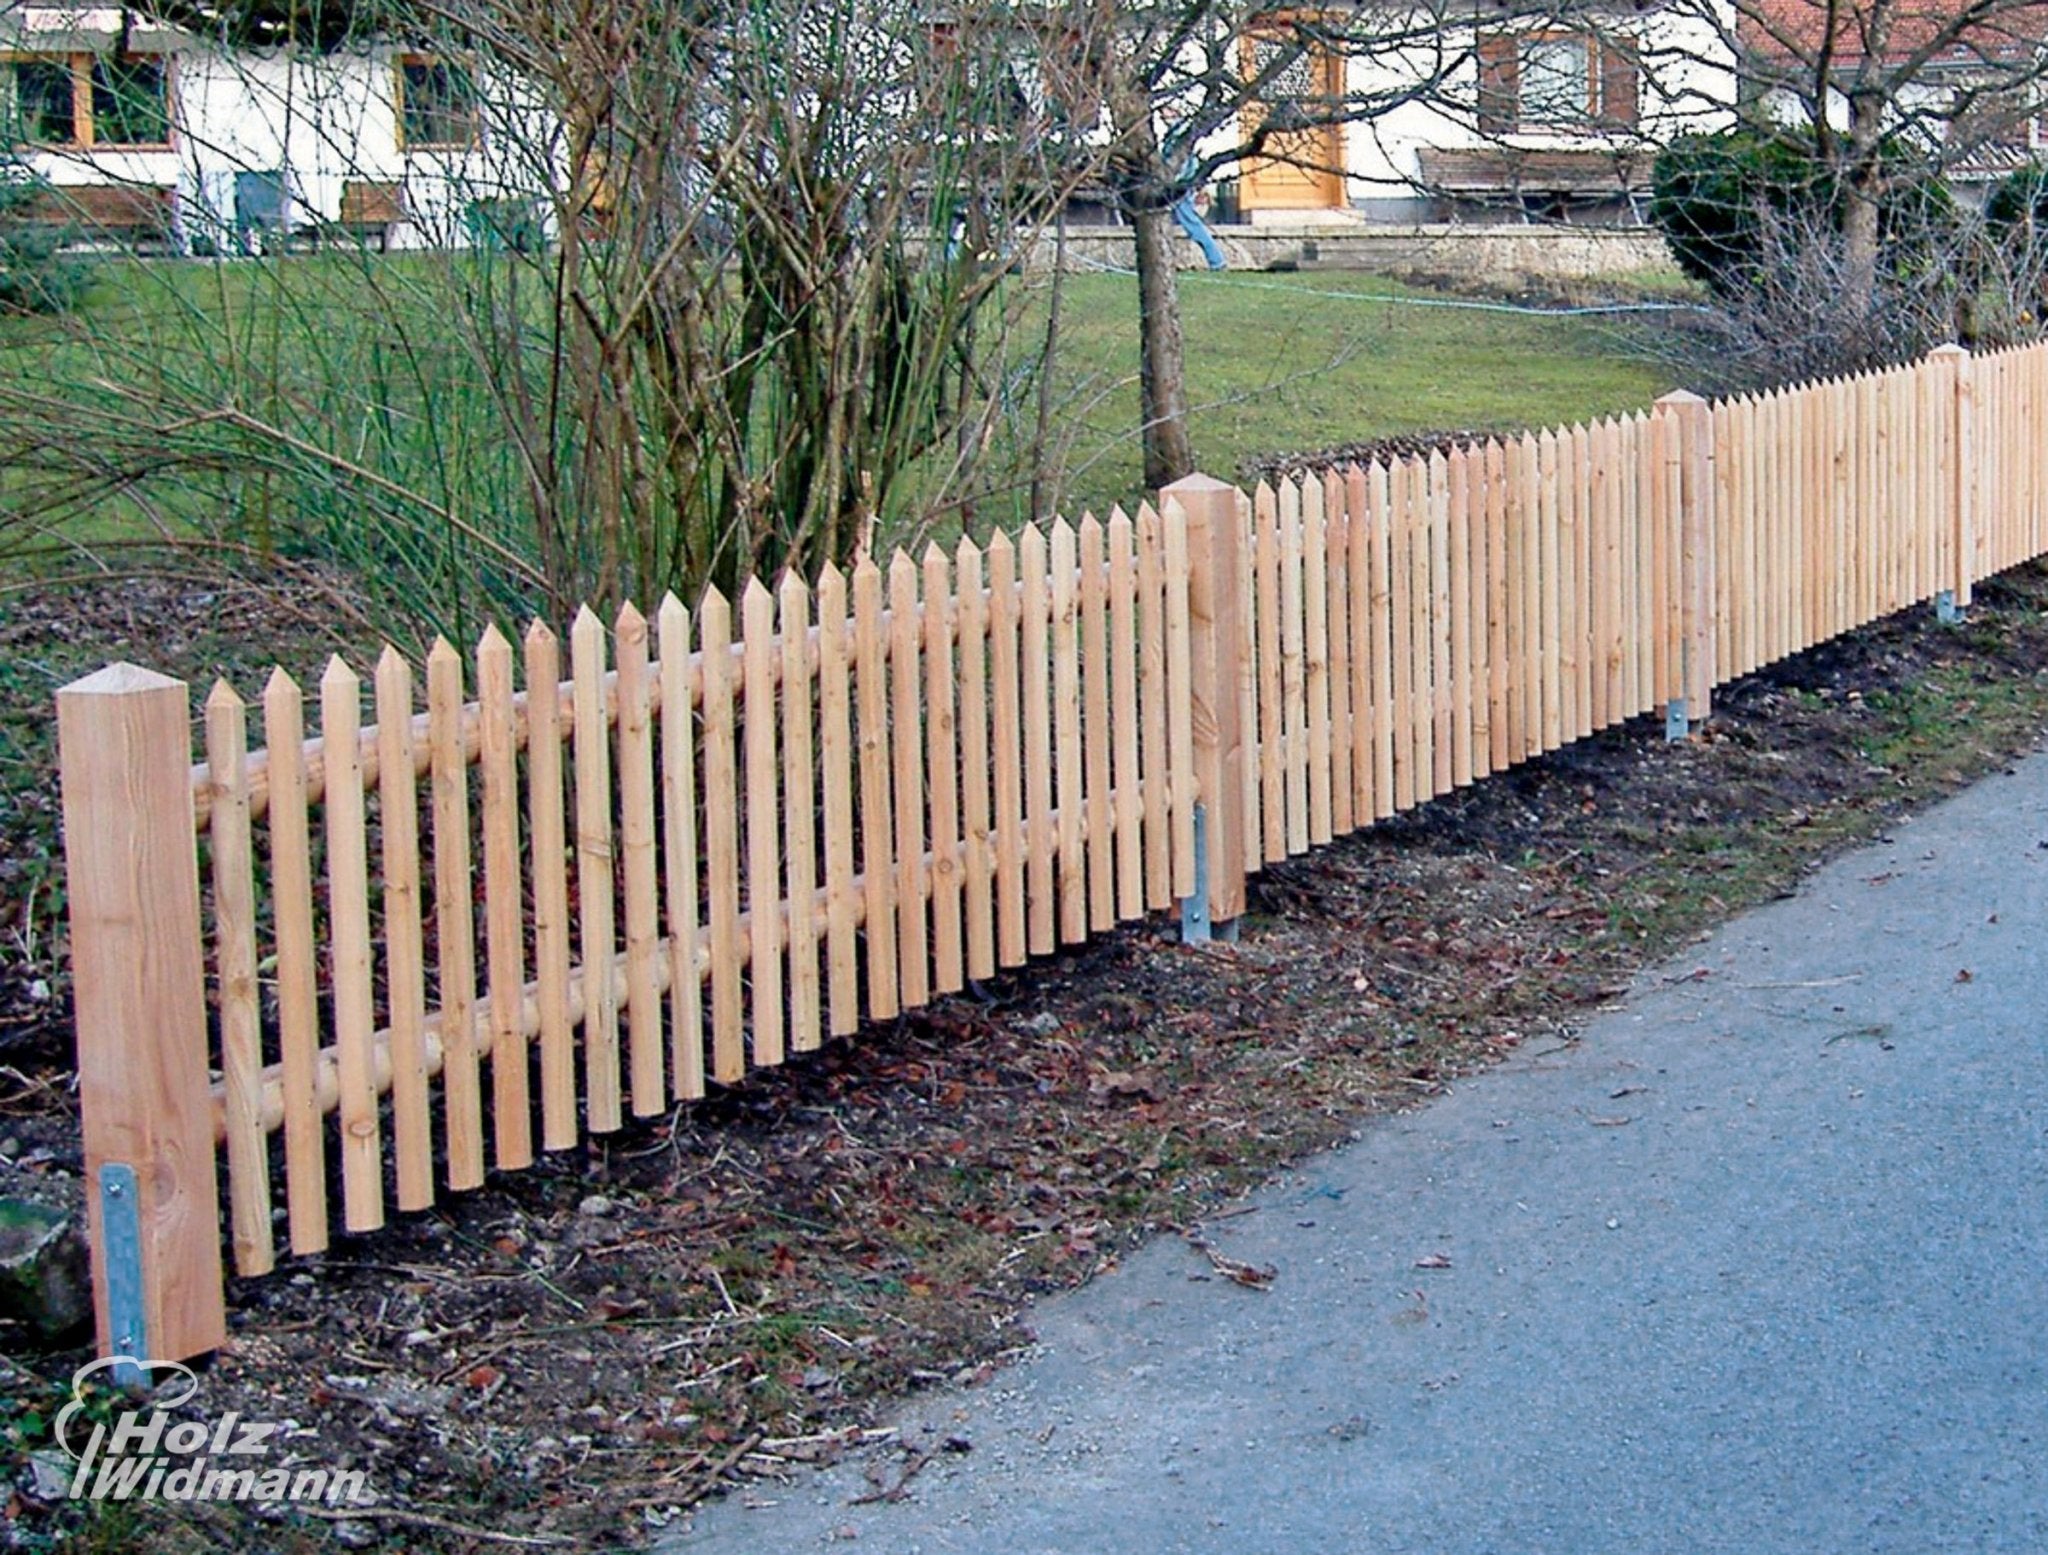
{"x": 49, "y": 1474}
{"x": 45, "y": 1269}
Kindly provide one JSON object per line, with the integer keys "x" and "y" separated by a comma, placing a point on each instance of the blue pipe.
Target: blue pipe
{"x": 1192, "y": 224}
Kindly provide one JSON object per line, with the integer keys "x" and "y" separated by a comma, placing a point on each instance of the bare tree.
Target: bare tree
{"x": 1188, "y": 91}
{"x": 699, "y": 289}
{"x": 1885, "y": 87}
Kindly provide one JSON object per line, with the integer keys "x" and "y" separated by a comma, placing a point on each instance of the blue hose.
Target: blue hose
{"x": 1192, "y": 224}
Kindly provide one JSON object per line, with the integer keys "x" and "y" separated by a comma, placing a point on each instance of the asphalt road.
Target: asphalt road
{"x": 1760, "y": 1264}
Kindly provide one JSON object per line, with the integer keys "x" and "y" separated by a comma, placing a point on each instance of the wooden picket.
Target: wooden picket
{"x": 703, "y": 849}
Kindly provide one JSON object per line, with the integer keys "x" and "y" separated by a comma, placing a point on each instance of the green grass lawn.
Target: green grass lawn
{"x": 363, "y": 359}
{"x": 1285, "y": 363}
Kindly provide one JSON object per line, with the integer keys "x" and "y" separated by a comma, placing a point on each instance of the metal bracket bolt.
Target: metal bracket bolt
{"x": 121, "y": 1246}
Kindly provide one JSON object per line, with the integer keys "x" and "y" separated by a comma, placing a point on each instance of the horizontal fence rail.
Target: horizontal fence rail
{"x": 499, "y": 903}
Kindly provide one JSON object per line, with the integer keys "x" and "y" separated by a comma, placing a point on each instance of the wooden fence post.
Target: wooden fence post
{"x": 1957, "y": 377}
{"x": 1689, "y": 445}
{"x": 124, "y": 740}
{"x": 1216, "y": 588}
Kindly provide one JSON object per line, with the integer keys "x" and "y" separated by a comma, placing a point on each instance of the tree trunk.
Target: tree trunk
{"x": 1864, "y": 193}
{"x": 1162, "y": 365}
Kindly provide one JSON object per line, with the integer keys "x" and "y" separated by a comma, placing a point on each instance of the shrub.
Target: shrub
{"x": 1720, "y": 199}
{"x": 36, "y": 276}
{"x": 2019, "y": 205}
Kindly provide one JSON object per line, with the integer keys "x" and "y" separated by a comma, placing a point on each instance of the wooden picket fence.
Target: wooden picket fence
{"x": 432, "y": 944}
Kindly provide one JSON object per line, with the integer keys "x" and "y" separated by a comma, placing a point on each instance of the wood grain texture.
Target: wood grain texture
{"x": 553, "y": 932}
{"x": 454, "y": 920}
{"x": 504, "y": 905}
{"x": 139, "y": 990}
{"x": 241, "y": 1026}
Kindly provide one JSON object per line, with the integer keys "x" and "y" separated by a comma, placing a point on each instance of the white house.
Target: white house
{"x": 140, "y": 126}
{"x": 1536, "y": 120}
{"x": 155, "y": 134}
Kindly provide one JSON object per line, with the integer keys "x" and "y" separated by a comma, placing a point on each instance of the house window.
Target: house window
{"x": 1557, "y": 81}
{"x": 86, "y": 100}
{"x": 437, "y": 104}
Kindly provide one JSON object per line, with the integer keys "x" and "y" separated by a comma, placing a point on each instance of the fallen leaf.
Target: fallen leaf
{"x": 1251, "y": 1276}
{"x": 1124, "y": 1087}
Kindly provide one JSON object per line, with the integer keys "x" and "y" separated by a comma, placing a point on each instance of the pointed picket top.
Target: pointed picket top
{"x": 1031, "y": 555}
{"x": 938, "y": 574}
{"x": 394, "y": 681}
{"x": 757, "y": 612}
{"x": 1090, "y": 526}
{"x": 866, "y": 572}
{"x": 1000, "y": 544}
{"x": 714, "y": 607}
{"x": 831, "y": 594}
{"x": 1680, "y": 397}
{"x": 902, "y": 570}
{"x": 966, "y": 553}
{"x": 1120, "y": 526}
{"x": 672, "y": 621}
{"x": 1457, "y": 459}
{"x": 224, "y": 697}
{"x": 1062, "y": 531}
{"x": 630, "y": 620}
{"x": 280, "y": 686}
{"x": 491, "y": 639}
{"x": 1310, "y": 496}
{"x": 792, "y": 592}
{"x": 1379, "y": 491}
{"x": 1265, "y": 500}
{"x": 1333, "y": 493}
{"x": 338, "y": 678}
{"x": 443, "y": 652}
{"x": 539, "y": 635}
{"x": 586, "y": 625}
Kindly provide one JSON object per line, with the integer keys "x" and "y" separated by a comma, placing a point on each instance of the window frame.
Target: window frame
{"x": 80, "y": 63}
{"x": 1567, "y": 119}
{"x": 416, "y": 60}
{"x": 1503, "y": 79}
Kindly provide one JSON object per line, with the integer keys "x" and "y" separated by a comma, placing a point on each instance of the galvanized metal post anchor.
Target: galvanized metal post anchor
{"x": 1946, "y": 610}
{"x": 1676, "y": 725}
{"x": 121, "y": 1246}
{"x": 1194, "y": 907}
{"x": 1196, "y": 927}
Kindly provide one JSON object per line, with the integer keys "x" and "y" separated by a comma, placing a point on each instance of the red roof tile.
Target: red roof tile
{"x": 1795, "y": 31}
